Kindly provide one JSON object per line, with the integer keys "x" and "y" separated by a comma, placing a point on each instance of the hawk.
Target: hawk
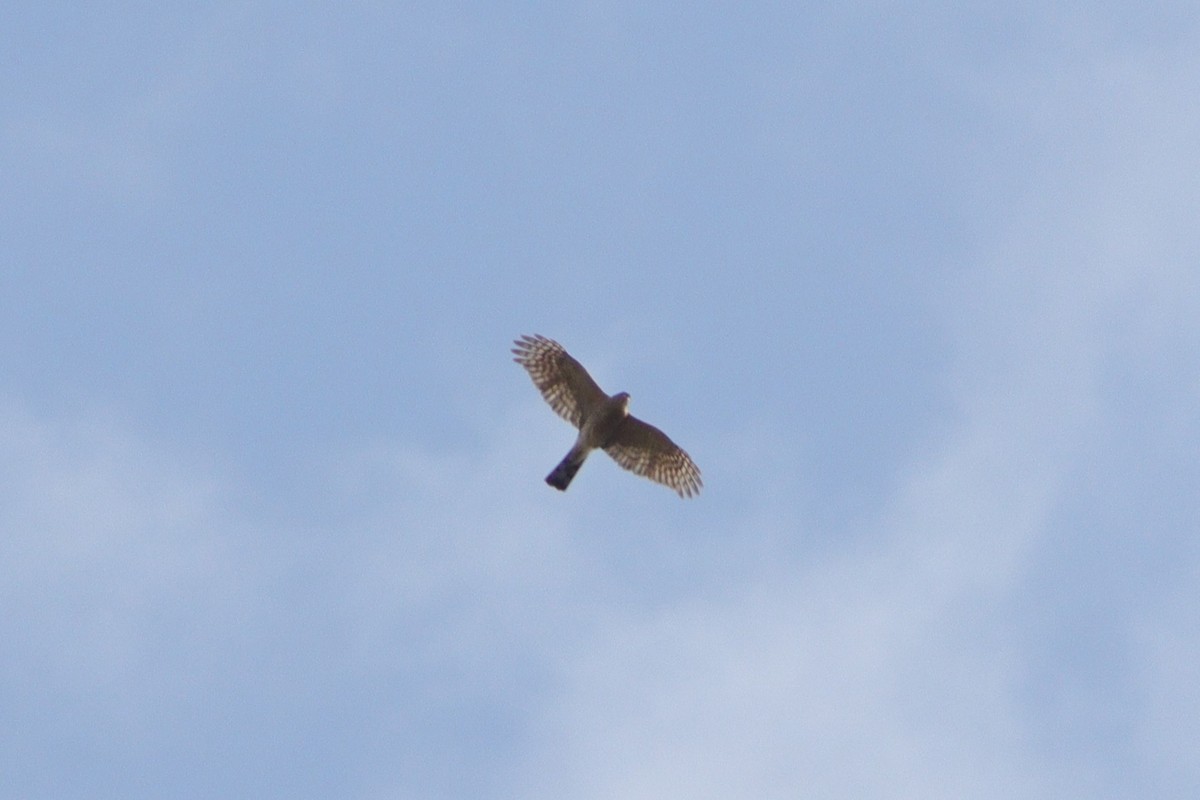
{"x": 604, "y": 421}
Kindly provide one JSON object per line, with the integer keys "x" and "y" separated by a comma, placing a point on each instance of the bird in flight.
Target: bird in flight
{"x": 603, "y": 421}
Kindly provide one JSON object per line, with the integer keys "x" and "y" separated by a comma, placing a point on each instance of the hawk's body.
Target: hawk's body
{"x": 604, "y": 422}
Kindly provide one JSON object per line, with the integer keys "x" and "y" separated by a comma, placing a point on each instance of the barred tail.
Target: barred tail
{"x": 560, "y": 477}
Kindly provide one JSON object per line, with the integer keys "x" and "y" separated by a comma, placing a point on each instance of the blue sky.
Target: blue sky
{"x": 918, "y": 287}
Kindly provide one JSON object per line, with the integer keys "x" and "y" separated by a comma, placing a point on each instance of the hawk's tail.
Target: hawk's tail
{"x": 560, "y": 477}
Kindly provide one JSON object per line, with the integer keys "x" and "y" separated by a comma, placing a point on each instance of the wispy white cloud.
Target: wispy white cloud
{"x": 118, "y": 575}
{"x": 1169, "y": 668}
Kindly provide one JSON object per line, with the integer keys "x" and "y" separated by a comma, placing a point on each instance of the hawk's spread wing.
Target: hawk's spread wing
{"x": 562, "y": 380}
{"x": 644, "y": 450}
